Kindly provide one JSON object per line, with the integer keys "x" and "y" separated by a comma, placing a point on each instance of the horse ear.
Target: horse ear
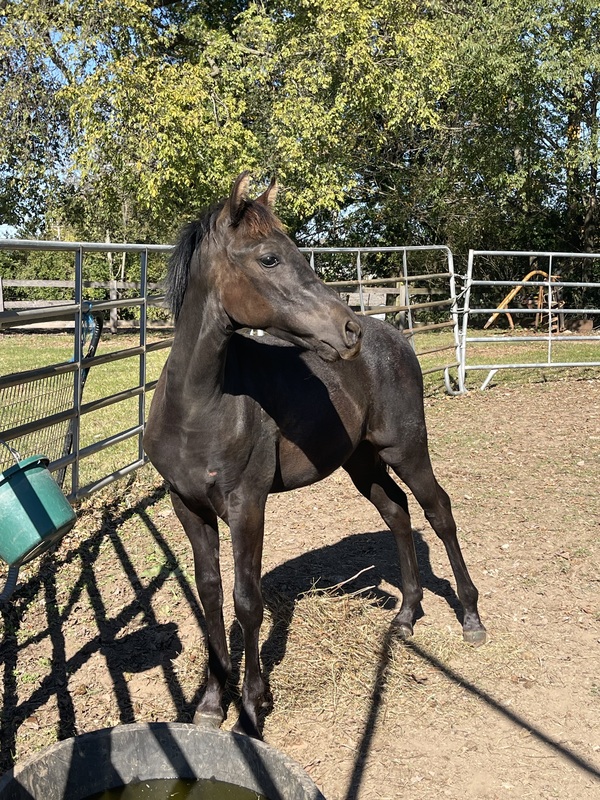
{"x": 239, "y": 197}
{"x": 267, "y": 198}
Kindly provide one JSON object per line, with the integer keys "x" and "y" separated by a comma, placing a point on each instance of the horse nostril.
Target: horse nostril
{"x": 353, "y": 332}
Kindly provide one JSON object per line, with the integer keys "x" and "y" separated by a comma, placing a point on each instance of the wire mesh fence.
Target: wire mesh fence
{"x": 39, "y": 399}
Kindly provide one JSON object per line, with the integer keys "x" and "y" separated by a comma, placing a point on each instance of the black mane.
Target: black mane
{"x": 178, "y": 271}
{"x": 258, "y": 220}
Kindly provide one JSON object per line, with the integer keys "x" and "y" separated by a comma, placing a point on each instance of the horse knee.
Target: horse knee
{"x": 248, "y": 606}
{"x": 210, "y": 591}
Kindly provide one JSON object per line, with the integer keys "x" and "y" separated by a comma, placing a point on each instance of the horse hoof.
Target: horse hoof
{"x": 246, "y": 727}
{"x": 208, "y": 722}
{"x": 403, "y": 630}
{"x": 476, "y": 637}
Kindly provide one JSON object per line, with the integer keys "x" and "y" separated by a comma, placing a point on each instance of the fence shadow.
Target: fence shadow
{"x": 378, "y": 692}
{"x": 154, "y": 644}
{"x": 357, "y": 553}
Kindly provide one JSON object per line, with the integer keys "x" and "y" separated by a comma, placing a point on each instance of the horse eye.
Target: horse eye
{"x": 269, "y": 261}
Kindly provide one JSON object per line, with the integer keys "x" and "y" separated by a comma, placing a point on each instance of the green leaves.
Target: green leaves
{"x": 472, "y": 124}
{"x": 160, "y": 107}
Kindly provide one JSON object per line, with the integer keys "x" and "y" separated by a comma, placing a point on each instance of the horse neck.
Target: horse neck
{"x": 197, "y": 359}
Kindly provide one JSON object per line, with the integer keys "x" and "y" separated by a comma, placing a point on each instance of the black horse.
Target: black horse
{"x": 235, "y": 418}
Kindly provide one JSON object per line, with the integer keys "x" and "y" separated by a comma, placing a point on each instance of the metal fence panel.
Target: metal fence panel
{"x": 15, "y": 423}
{"x": 408, "y": 286}
{"x": 548, "y": 311}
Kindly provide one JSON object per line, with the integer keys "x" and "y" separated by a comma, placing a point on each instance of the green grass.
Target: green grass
{"x": 24, "y": 351}
{"x": 20, "y": 352}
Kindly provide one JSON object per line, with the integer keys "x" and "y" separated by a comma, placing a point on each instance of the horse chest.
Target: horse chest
{"x": 210, "y": 463}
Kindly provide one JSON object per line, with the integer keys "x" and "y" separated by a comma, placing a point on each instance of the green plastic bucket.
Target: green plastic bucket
{"x": 34, "y": 513}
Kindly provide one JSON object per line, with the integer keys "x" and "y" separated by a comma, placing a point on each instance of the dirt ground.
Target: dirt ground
{"x": 107, "y": 630}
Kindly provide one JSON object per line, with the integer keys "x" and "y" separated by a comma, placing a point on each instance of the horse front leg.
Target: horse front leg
{"x": 247, "y": 532}
{"x": 202, "y": 531}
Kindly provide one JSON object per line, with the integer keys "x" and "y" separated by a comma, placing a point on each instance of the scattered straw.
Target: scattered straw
{"x": 336, "y": 652}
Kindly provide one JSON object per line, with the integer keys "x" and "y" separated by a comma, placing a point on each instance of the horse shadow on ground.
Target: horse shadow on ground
{"x": 360, "y": 563}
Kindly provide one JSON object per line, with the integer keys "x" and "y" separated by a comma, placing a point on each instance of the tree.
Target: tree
{"x": 159, "y": 106}
{"x": 469, "y": 124}
{"x": 32, "y": 142}
{"x": 513, "y": 160}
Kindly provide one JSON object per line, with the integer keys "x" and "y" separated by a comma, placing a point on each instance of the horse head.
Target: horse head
{"x": 263, "y": 281}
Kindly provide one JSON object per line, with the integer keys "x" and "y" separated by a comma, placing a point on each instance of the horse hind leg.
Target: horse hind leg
{"x": 417, "y": 474}
{"x": 370, "y": 477}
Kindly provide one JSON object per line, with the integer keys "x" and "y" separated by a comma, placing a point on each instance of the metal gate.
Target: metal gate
{"x": 558, "y": 311}
{"x": 422, "y": 294}
{"x": 421, "y": 286}
{"x": 19, "y": 390}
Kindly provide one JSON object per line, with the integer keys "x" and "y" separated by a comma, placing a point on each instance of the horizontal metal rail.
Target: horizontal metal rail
{"x": 435, "y": 326}
{"x": 8, "y": 319}
{"x": 544, "y": 311}
{"x": 440, "y": 368}
{"x": 85, "y": 408}
{"x": 39, "y": 424}
{"x": 66, "y": 284}
{"x": 541, "y": 338}
{"x": 117, "y": 438}
{"x": 17, "y": 378}
{"x": 383, "y": 281}
{"x": 535, "y": 365}
{"x": 389, "y": 249}
{"x": 534, "y": 254}
{"x": 102, "y": 483}
{"x": 412, "y": 306}
{"x": 14, "y": 317}
{"x": 554, "y": 283}
{"x": 93, "y": 449}
{"x": 85, "y": 247}
{"x": 128, "y": 352}
{"x": 435, "y": 350}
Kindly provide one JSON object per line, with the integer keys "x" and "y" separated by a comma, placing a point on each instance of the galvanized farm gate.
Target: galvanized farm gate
{"x": 56, "y": 388}
{"x": 420, "y": 295}
{"x": 421, "y": 287}
{"x": 416, "y": 294}
{"x": 558, "y": 312}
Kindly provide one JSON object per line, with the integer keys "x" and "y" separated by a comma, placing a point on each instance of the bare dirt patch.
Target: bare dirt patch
{"x": 107, "y": 630}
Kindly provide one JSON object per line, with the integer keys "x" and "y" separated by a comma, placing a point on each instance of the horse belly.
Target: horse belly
{"x": 301, "y": 465}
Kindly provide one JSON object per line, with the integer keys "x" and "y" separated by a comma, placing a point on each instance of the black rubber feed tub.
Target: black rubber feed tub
{"x": 78, "y": 768}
